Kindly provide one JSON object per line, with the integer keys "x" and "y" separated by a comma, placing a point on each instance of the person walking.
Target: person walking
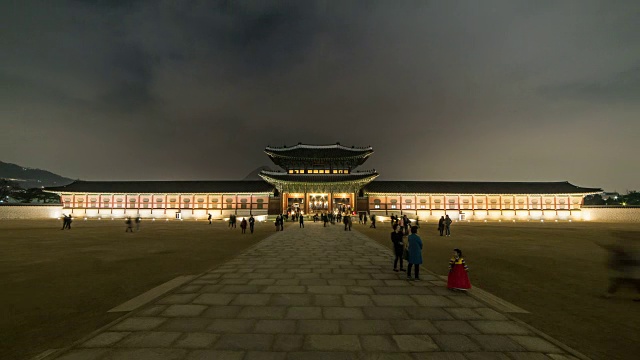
{"x": 69, "y": 221}
{"x": 350, "y": 221}
{"x": 398, "y": 248}
{"x": 406, "y": 222}
{"x": 325, "y": 219}
{"x": 441, "y": 225}
{"x": 65, "y": 219}
{"x": 373, "y": 221}
{"x": 138, "y": 219}
{"x": 243, "y": 225}
{"x": 364, "y": 218}
{"x": 414, "y": 252}
{"x": 624, "y": 268}
{"x": 345, "y": 221}
{"x": 129, "y": 223}
{"x": 252, "y": 221}
{"x": 447, "y": 226}
{"x": 301, "y": 221}
{"x": 209, "y": 218}
{"x": 277, "y": 222}
{"x": 458, "y": 278}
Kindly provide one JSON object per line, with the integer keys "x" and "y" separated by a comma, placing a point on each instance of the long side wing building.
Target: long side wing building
{"x": 320, "y": 179}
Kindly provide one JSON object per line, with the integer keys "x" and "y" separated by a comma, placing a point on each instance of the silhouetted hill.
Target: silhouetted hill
{"x": 31, "y": 178}
{"x": 254, "y": 174}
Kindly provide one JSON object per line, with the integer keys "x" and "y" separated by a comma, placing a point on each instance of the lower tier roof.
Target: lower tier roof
{"x": 475, "y": 187}
{"x": 374, "y": 187}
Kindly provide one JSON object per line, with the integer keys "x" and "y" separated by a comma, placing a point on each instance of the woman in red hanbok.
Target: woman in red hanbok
{"x": 458, "y": 278}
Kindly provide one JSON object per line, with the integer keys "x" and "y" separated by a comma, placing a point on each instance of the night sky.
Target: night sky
{"x": 442, "y": 90}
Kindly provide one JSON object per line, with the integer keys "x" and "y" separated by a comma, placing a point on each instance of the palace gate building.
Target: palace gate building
{"x": 323, "y": 178}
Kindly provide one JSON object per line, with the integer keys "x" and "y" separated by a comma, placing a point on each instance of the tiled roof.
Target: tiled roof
{"x": 473, "y": 187}
{"x": 323, "y": 178}
{"x": 302, "y": 151}
{"x": 165, "y": 187}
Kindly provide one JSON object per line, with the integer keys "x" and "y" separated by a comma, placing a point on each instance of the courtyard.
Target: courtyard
{"x": 54, "y": 280}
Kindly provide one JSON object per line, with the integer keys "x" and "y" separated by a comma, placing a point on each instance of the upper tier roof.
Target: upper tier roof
{"x": 334, "y": 151}
{"x": 141, "y": 187}
{"x": 476, "y": 187}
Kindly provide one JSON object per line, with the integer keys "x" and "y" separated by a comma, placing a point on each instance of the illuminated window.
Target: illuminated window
{"x": 423, "y": 206}
{"x": 376, "y": 206}
{"x": 260, "y": 203}
{"x": 393, "y": 206}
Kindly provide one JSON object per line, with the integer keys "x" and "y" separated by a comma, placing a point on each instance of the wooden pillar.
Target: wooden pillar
{"x": 555, "y": 203}
{"x": 473, "y": 205}
{"x": 430, "y": 205}
{"x": 236, "y": 205}
{"x": 166, "y": 198}
{"x": 528, "y": 206}
{"x": 500, "y": 205}
{"x": 486, "y": 202}
{"x": 386, "y": 206}
{"x": 284, "y": 202}
{"x": 112, "y": 202}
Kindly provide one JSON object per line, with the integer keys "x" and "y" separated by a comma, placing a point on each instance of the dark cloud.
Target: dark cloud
{"x": 621, "y": 87}
{"x": 493, "y": 90}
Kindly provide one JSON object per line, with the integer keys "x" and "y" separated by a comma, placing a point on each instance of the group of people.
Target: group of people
{"x": 412, "y": 253}
{"x": 280, "y": 223}
{"x": 401, "y": 221}
{"x": 129, "y": 223}
{"x": 66, "y": 221}
{"x": 444, "y": 225}
{"x": 233, "y": 219}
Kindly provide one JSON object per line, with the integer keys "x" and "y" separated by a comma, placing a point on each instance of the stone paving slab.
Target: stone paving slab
{"x": 314, "y": 293}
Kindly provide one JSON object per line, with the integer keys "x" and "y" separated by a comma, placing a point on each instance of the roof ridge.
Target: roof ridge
{"x": 328, "y": 146}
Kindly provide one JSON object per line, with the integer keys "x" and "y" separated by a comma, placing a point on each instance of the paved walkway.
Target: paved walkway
{"x": 314, "y": 293}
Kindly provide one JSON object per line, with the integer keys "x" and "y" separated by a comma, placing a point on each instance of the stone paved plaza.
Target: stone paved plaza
{"x": 314, "y": 293}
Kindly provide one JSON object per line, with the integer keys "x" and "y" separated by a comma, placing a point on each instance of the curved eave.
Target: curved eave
{"x": 276, "y": 156}
{"x": 356, "y": 180}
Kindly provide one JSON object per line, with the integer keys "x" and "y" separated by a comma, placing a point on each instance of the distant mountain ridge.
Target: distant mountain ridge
{"x": 29, "y": 178}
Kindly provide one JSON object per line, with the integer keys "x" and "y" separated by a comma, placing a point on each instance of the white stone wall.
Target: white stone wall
{"x": 53, "y": 212}
{"x": 614, "y": 214}
{"x": 8, "y": 212}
